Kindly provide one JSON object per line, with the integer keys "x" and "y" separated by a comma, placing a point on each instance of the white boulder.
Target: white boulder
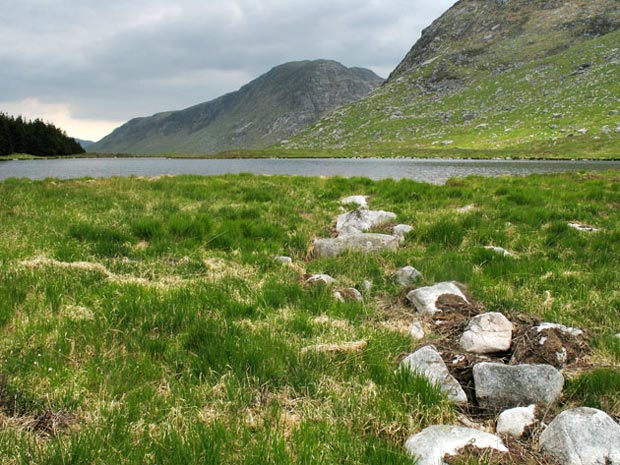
{"x": 582, "y": 436}
{"x": 427, "y": 362}
{"x": 487, "y": 333}
{"x": 514, "y": 421}
{"x": 431, "y": 445}
{"x": 425, "y": 298}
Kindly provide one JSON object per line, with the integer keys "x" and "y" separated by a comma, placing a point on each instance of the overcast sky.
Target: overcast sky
{"x": 90, "y": 65}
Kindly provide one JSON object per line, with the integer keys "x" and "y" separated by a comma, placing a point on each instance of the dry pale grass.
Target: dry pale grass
{"x": 164, "y": 283}
{"x": 341, "y": 348}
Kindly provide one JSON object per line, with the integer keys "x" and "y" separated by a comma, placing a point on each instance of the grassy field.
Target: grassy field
{"x": 146, "y": 321}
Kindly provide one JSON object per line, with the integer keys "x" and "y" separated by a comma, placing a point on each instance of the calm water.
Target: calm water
{"x": 433, "y": 171}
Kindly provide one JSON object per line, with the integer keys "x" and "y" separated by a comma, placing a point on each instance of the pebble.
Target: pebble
{"x": 284, "y": 260}
{"x": 320, "y": 279}
{"x": 417, "y": 331}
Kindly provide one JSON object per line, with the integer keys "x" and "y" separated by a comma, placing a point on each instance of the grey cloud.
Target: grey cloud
{"x": 119, "y": 59}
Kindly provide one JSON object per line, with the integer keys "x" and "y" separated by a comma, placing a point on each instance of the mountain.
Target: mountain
{"x": 261, "y": 113}
{"x": 492, "y": 74}
{"x": 84, "y": 143}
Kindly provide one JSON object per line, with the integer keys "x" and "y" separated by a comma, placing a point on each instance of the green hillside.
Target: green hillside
{"x": 269, "y": 109}
{"x": 494, "y": 75}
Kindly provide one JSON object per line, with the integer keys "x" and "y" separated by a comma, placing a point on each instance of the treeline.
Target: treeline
{"x": 18, "y": 135}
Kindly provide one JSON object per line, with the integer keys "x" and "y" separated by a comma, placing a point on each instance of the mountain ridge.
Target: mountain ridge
{"x": 263, "y": 112}
{"x": 491, "y": 75}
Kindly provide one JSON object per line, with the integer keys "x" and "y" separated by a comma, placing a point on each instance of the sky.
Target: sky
{"x": 88, "y": 66}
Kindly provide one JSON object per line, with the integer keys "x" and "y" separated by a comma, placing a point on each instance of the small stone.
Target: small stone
{"x": 500, "y": 251}
{"x": 361, "y": 220}
{"x": 348, "y": 295}
{"x": 582, "y": 227}
{"x": 582, "y": 436}
{"x": 320, "y": 279}
{"x": 447, "y": 142}
{"x": 425, "y": 298}
{"x": 613, "y": 112}
{"x": 617, "y": 336}
{"x": 367, "y": 285}
{"x": 466, "y": 209}
{"x": 417, "y": 331}
{"x": 361, "y": 242}
{"x": 361, "y": 200}
{"x": 401, "y": 230}
{"x": 407, "y": 276}
{"x": 433, "y": 444}
{"x": 487, "y": 333}
{"x": 506, "y": 386}
{"x": 284, "y": 260}
{"x": 427, "y": 362}
{"x": 514, "y": 422}
{"x": 564, "y": 329}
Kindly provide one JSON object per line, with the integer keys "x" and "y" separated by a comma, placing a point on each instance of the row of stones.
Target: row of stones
{"x": 579, "y": 436}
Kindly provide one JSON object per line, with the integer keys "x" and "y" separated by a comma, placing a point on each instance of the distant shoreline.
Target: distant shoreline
{"x": 447, "y": 154}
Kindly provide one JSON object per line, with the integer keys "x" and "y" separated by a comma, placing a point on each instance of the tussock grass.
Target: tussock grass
{"x": 151, "y": 313}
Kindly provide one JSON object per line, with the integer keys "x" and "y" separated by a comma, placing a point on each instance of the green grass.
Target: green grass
{"x": 152, "y": 313}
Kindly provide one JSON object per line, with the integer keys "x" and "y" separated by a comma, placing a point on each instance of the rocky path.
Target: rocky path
{"x": 505, "y": 367}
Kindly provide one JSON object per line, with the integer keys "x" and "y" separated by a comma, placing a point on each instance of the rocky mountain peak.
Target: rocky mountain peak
{"x": 473, "y": 31}
{"x": 272, "y": 107}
